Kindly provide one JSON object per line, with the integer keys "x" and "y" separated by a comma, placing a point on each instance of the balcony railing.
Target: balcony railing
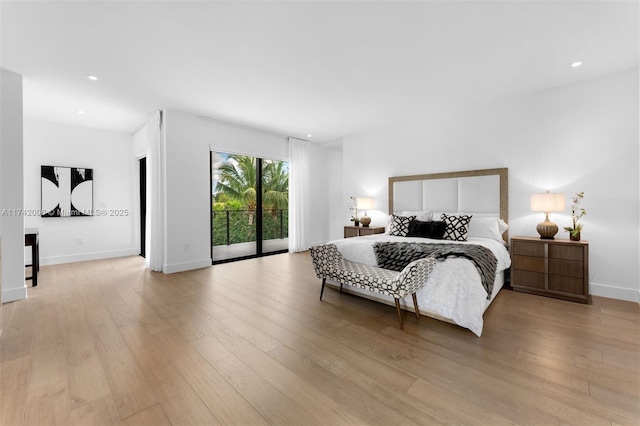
{"x": 239, "y": 226}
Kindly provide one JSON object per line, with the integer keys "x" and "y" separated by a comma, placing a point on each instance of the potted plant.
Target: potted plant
{"x": 576, "y": 214}
{"x": 354, "y": 207}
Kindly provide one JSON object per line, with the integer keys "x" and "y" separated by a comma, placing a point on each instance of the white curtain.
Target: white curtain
{"x": 155, "y": 192}
{"x": 298, "y": 195}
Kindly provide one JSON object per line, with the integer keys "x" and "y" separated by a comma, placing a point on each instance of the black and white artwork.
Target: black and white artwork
{"x": 66, "y": 191}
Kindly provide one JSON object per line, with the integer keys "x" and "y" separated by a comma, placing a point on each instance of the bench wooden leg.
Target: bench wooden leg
{"x": 399, "y": 313}
{"x": 324, "y": 281}
{"x": 415, "y": 305}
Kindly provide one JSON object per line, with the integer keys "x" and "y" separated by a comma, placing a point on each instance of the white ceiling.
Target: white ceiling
{"x": 323, "y": 68}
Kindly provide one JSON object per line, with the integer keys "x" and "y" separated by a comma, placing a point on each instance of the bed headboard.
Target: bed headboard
{"x": 483, "y": 191}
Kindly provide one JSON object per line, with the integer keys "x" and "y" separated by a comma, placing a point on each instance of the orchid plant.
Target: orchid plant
{"x": 354, "y": 207}
{"x": 576, "y": 214}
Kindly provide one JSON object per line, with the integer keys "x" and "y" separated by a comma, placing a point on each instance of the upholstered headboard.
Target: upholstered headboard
{"x": 483, "y": 192}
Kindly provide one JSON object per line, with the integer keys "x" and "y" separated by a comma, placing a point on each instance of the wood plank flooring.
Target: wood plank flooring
{"x": 249, "y": 343}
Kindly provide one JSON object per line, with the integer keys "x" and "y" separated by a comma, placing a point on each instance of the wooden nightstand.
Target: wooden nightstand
{"x": 359, "y": 231}
{"x": 554, "y": 268}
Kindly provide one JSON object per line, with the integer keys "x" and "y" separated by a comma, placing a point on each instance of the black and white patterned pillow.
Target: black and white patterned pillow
{"x": 457, "y": 227}
{"x": 399, "y": 225}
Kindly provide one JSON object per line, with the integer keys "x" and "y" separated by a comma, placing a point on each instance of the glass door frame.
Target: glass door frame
{"x": 258, "y": 213}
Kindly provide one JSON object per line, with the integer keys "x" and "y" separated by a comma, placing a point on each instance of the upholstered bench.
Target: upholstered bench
{"x": 329, "y": 263}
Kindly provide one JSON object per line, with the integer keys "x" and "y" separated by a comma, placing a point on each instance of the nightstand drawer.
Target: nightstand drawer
{"x": 350, "y": 231}
{"x": 555, "y": 268}
{"x": 529, "y": 263}
{"x": 527, "y": 279}
{"x": 566, "y": 284}
{"x": 528, "y": 249}
{"x": 557, "y": 251}
{"x": 567, "y": 268}
{"x": 359, "y": 231}
{"x": 371, "y": 231}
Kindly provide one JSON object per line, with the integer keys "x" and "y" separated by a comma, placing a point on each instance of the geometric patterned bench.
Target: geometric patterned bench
{"x": 329, "y": 263}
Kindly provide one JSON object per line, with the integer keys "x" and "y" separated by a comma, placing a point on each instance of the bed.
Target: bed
{"x": 475, "y": 201}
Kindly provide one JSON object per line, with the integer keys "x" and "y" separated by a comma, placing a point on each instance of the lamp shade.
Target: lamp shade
{"x": 364, "y": 203}
{"x": 547, "y": 202}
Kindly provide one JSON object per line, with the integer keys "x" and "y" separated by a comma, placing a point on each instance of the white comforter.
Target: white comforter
{"x": 453, "y": 291}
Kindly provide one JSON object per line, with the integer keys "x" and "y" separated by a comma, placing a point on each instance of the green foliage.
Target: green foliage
{"x": 574, "y": 231}
{"x": 235, "y": 201}
{"x": 240, "y": 231}
{"x": 234, "y": 205}
{"x": 275, "y": 186}
{"x": 238, "y": 180}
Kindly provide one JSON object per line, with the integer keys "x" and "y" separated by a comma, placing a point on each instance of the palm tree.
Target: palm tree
{"x": 275, "y": 186}
{"x": 238, "y": 181}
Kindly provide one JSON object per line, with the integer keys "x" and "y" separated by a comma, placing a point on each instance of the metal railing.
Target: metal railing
{"x": 282, "y": 230}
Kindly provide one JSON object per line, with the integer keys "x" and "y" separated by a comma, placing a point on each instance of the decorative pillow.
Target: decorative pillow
{"x": 434, "y": 230}
{"x": 399, "y": 225}
{"x": 487, "y": 227}
{"x": 457, "y": 227}
{"x": 422, "y": 215}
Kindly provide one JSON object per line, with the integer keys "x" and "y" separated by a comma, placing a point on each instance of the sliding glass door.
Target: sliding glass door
{"x": 275, "y": 206}
{"x": 249, "y": 206}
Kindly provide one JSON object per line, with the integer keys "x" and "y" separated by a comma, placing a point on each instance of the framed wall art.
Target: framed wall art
{"x": 66, "y": 191}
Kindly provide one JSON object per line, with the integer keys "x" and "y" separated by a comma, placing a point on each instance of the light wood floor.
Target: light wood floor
{"x": 108, "y": 342}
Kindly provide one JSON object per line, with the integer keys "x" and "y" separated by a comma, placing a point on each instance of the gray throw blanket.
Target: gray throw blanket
{"x": 396, "y": 256}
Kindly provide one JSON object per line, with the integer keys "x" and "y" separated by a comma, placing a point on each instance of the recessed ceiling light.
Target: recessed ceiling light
{"x": 81, "y": 112}
{"x": 576, "y": 64}
{"x": 309, "y": 136}
{"x": 92, "y": 77}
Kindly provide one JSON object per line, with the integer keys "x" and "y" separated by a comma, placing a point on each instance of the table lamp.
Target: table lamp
{"x": 364, "y": 203}
{"x": 547, "y": 203}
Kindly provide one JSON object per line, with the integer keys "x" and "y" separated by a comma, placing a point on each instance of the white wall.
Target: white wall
{"x": 326, "y": 189}
{"x": 579, "y": 137}
{"x": 188, "y": 142}
{"x": 11, "y": 186}
{"x": 71, "y": 239}
{"x": 0, "y": 252}
{"x": 139, "y": 142}
{"x": 325, "y": 177}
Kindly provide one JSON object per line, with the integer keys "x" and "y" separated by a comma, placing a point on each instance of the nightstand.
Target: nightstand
{"x": 554, "y": 268}
{"x": 359, "y": 231}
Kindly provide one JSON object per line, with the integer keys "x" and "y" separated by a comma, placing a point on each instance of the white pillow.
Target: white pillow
{"x": 502, "y": 226}
{"x": 487, "y": 227}
{"x": 422, "y": 216}
{"x": 438, "y": 215}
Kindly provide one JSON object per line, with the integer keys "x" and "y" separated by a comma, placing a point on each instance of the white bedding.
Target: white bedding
{"x": 454, "y": 290}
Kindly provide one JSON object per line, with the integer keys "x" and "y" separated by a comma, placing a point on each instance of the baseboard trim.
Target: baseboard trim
{"x": 594, "y": 289}
{"x": 55, "y": 260}
{"x": 613, "y": 292}
{"x": 186, "y": 266}
{"x": 13, "y": 294}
